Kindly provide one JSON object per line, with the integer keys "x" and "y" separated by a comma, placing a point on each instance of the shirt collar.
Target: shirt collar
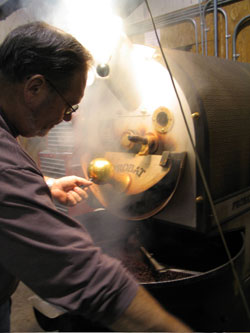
{"x": 11, "y": 127}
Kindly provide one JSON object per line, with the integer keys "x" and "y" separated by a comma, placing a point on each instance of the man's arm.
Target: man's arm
{"x": 146, "y": 314}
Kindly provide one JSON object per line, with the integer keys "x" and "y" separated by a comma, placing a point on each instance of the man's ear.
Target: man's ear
{"x": 35, "y": 88}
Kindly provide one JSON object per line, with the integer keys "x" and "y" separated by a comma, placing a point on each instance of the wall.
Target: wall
{"x": 182, "y": 35}
{"x": 24, "y": 15}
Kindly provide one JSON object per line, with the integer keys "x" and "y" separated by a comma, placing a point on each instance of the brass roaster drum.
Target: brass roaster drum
{"x": 141, "y": 130}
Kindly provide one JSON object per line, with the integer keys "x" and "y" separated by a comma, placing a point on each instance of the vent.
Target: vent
{"x": 55, "y": 161}
{"x": 61, "y": 138}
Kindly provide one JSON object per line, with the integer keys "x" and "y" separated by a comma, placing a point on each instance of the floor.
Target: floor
{"x": 22, "y": 316}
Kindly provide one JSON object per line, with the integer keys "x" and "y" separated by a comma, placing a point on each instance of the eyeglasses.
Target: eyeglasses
{"x": 71, "y": 108}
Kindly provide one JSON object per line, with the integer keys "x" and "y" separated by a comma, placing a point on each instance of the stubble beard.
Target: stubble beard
{"x": 32, "y": 125}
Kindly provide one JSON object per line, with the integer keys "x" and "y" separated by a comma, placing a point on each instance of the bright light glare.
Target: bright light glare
{"x": 152, "y": 78}
{"x": 94, "y": 24}
{"x": 91, "y": 76}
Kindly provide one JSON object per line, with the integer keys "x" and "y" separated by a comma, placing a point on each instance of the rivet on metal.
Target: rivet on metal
{"x": 199, "y": 199}
{"x": 195, "y": 115}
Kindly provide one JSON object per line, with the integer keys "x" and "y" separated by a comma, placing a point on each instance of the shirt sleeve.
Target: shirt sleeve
{"x": 54, "y": 255}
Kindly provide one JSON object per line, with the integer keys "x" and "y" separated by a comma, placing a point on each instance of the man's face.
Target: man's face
{"x": 51, "y": 109}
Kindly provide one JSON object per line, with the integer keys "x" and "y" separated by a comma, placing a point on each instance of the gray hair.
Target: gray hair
{"x": 39, "y": 48}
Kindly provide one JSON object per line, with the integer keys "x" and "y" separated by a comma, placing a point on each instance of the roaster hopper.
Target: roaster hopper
{"x": 155, "y": 188}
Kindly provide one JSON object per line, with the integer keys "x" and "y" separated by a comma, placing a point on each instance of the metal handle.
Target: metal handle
{"x": 157, "y": 266}
{"x": 162, "y": 268}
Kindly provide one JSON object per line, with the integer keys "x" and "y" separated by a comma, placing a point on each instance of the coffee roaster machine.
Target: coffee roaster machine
{"x": 148, "y": 137}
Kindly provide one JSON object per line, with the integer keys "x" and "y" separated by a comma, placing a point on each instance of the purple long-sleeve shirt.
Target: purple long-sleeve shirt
{"x": 50, "y": 252}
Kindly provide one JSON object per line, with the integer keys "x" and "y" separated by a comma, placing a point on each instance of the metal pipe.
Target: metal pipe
{"x": 215, "y": 29}
{"x": 163, "y": 20}
{"x": 206, "y": 29}
{"x": 202, "y": 28}
{"x": 226, "y": 29}
{"x": 235, "y": 56}
{"x": 195, "y": 29}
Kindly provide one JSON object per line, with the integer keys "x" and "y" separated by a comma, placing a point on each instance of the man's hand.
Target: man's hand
{"x": 68, "y": 190}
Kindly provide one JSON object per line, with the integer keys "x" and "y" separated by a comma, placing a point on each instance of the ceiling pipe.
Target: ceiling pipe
{"x": 236, "y": 30}
{"x": 206, "y": 29}
{"x": 227, "y": 35}
{"x": 163, "y": 20}
{"x": 202, "y": 28}
{"x": 195, "y": 29}
{"x": 215, "y": 29}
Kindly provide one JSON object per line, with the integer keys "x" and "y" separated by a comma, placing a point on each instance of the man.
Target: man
{"x": 43, "y": 73}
